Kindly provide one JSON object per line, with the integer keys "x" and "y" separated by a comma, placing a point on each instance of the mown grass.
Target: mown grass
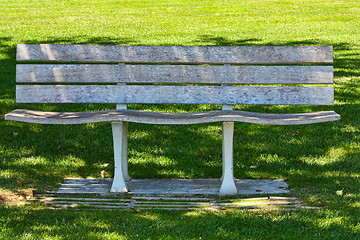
{"x": 69, "y": 224}
{"x": 316, "y": 160}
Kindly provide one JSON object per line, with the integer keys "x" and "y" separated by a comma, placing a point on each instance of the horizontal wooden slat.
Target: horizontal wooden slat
{"x": 174, "y": 94}
{"x": 169, "y": 118}
{"x": 175, "y": 54}
{"x": 76, "y": 73}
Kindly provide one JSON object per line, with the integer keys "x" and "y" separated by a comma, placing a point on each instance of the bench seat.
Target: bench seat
{"x": 127, "y": 115}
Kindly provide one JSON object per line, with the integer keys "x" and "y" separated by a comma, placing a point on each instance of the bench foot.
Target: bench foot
{"x": 228, "y": 186}
{"x": 118, "y": 186}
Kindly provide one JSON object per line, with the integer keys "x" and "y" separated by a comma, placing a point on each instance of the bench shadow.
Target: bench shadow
{"x": 86, "y": 40}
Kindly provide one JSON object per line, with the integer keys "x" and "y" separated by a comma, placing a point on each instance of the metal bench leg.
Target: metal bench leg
{"x": 119, "y": 131}
{"x": 125, "y": 151}
{"x": 124, "y": 144}
{"x": 228, "y": 186}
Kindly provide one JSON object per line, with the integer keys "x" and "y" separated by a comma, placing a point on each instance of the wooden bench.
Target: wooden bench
{"x": 173, "y": 75}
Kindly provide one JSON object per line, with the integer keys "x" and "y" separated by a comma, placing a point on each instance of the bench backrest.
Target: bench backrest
{"x": 174, "y": 74}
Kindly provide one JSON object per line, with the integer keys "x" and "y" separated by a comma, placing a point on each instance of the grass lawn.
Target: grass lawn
{"x": 316, "y": 160}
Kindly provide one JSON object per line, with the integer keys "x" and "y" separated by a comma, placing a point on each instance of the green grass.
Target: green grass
{"x": 316, "y": 160}
{"x": 69, "y": 224}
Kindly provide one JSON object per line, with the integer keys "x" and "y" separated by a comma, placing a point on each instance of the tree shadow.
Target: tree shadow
{"x": 222, "y": 41}
{"x": 86, "y": 40}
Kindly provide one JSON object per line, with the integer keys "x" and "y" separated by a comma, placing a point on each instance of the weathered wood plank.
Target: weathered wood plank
{"x": 218, "y": 74}
{"x": 126, "y": 115}
{"x": 155, "y": 94}
{"x": 175, "y": 54}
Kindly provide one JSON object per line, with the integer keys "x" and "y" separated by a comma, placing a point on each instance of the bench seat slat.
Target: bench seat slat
{"x": 218, "y": 74}
{"x": 34, "y": 116}
{"x": 175, "y": 54}
{"x": 159, "y": 94}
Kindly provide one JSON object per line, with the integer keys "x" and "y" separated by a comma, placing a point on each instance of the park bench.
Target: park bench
{"x": 220, "y": 75}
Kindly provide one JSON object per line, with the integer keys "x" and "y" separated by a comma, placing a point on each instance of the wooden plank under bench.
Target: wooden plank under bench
{"x": 225, "y": 75}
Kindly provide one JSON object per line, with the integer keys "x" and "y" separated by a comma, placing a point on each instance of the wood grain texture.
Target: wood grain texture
{"x": 156, "y": 94}
{"x": 125, "y": 115}
{"x": 219, "y": 74}
{"x": 175, "y": 54}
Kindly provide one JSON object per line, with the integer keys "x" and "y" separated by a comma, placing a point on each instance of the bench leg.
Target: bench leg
{"x": 119, "y": 131}
{"x": 124, "y": 151}
{"x": 228, "y": 186}
{"x": 124, "y": 144}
